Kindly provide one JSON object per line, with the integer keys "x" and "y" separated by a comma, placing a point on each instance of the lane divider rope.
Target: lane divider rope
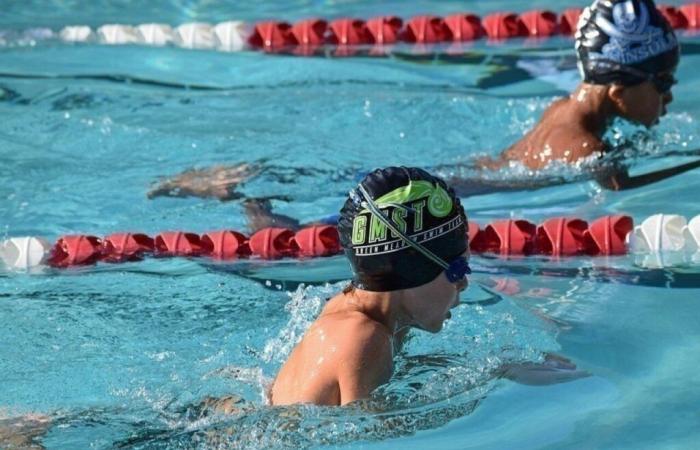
{"x": 345, "y": 35}
{"x": 555, "y": 237}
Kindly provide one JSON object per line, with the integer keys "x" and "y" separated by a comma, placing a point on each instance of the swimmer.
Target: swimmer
{"x": 26, "y": 432}
{"x": 399, "y": 282}
{"x": 627, "y": 55}
{"x": 404, "y": 232}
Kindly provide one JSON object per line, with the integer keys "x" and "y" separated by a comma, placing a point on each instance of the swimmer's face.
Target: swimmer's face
{"x": 434, "y": 300}
{"x": 642, "y": 103}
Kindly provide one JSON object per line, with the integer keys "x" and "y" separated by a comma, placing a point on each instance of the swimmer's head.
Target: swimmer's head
{"x": 422, "y": 207}
{"x": 404, "y": 229}
{"x": 630, "y": 45}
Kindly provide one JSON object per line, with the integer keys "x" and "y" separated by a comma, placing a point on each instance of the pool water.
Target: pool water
{"x": 118, "y": 356}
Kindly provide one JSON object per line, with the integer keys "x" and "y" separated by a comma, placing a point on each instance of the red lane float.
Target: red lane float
{"x": 177, "y": 243}
{"x": 691, "y": 12}
{"x": 473, "y": 232}
{"x": 464, "y": 27}
{"x": 119, "y": 247}
{"x": 310, "y": 32}
{"x": 561, "y": 237}
{"x": 224, "y": 245}
{"x": 273, "y": 243}
{"x": 425, "y": 30}
{"x": 674, "y": 16}
{"x": 506, "y": 237}
{"x": 384, "y": 30}
{"x": 540, "y": 23}
{"x": 318, "y": 241}
{"x": 608, "y": 234}
{"x": 271, "y": 36}
{"x": 568, "y": 21}
{"x": 345, "y": 32}
{"x": 504, "y": 25}
{"x": 75, "y": 250}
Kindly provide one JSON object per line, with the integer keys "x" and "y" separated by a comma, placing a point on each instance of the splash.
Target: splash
{"x": 437, "y": 378}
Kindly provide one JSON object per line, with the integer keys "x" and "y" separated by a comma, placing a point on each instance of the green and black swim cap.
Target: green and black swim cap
{"x": 422, "y": 207}
{"x": 625, "y": 42}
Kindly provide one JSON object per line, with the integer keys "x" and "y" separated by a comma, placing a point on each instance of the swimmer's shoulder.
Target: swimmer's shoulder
{"x": 555, "y": 108}
{"x": 573, "y": 141}
{"x": 354, "y": 335}
{"x": 363, "y": 359}
{"x": 353, "y": 323}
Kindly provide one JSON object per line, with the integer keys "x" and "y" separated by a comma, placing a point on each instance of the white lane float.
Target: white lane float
{"x": 197, "y": 35}
{"x": 659, "y": 233}
{"x": 232, "y": 35}
{"x": 692, "y": 234}
{"x": 156, "y": 34}
{"x": 116, "y": 34}
{"x": 77, "y": 33}
{"x": 22, "y": 253}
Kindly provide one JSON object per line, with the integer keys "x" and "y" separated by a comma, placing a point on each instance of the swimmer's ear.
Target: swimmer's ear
{"x": 617, "y": 95}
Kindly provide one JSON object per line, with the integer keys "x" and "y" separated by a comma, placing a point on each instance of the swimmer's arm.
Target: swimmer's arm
{"x": 365, "y": 367}
{"x": 553, "y": 369}
{"x": 620, "y": 180}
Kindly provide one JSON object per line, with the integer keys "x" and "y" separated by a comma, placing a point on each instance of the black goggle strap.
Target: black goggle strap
{"x": 617, "y": 67}
{"x": 369, "y": 204}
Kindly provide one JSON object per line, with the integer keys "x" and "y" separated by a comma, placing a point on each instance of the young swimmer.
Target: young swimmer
{"x": 404, "y": 232}
{"x": 627, "y": 55}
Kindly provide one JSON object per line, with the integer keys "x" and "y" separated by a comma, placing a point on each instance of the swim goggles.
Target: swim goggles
{"x": 455, "y": 271}
{"x": 663, "y": 82}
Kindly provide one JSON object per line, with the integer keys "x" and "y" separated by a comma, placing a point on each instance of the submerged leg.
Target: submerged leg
{"x": 214, "y": 182}
{"x": 23, "y": 432}
{"x": 259, "y": 214}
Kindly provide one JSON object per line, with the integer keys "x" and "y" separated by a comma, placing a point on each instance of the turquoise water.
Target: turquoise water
{"x": 117, "y": 355}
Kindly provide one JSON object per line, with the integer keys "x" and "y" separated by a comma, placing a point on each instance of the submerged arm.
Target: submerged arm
{"x": 620, "y": 179}
{"x": 466, "y": 187}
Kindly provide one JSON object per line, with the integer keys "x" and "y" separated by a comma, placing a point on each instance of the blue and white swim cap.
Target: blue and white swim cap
{"x": 616, "y": 34}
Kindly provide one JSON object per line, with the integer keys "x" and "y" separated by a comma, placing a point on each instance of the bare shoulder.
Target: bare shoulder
{"x": 355, "y": 331}
{"x": 575, "y": 141}
{"x": 364, "y": 356}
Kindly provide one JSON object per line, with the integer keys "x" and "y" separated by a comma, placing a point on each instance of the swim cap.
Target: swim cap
{"x": 614, "y": 35}
{"x": 422, "y": 207}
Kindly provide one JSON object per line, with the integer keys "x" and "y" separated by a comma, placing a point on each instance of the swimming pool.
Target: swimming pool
{"x": 116, "y": 355}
